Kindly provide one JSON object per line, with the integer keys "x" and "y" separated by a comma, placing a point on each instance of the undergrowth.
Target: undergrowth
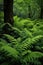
{"x": 21, "y": 43}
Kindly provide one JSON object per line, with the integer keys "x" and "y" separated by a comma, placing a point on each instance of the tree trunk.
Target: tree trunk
{"x": 8, "y": 11}
{"x": 41, "y": 13}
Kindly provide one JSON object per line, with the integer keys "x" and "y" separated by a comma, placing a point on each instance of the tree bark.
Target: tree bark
{"x": 41, "y": 13}
{"x": 8, "y": 11}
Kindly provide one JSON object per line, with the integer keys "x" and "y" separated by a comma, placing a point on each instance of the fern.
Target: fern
{"x": 10, "y": 39}
{"x": 22, "y": 43}
{"x": 30, "y": 43}
{"x": 32, "y": 58}
{"x": 8, "y": 53}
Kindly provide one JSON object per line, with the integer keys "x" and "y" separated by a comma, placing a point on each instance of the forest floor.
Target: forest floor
{"x": 21, "y": 43}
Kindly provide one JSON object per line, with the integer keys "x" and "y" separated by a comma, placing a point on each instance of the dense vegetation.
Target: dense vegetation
{"x": 22, "y": 43}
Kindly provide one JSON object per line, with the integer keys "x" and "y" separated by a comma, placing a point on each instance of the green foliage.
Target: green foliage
{"x": 22, "y": 43}
{"x": 32, "y": 58}
{"x": 27, "y": 8}
{"x": 10, "y": 38}
{"x": 8, "y": 54}
{"x": 1, "y": 18}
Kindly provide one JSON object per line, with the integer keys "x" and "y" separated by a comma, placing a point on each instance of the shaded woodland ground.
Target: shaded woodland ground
{"x": 22, "y": 43}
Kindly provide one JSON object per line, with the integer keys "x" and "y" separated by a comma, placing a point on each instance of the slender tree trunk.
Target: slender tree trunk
{"x": 41, "y": 13}
{"x": 8, "y": 11}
